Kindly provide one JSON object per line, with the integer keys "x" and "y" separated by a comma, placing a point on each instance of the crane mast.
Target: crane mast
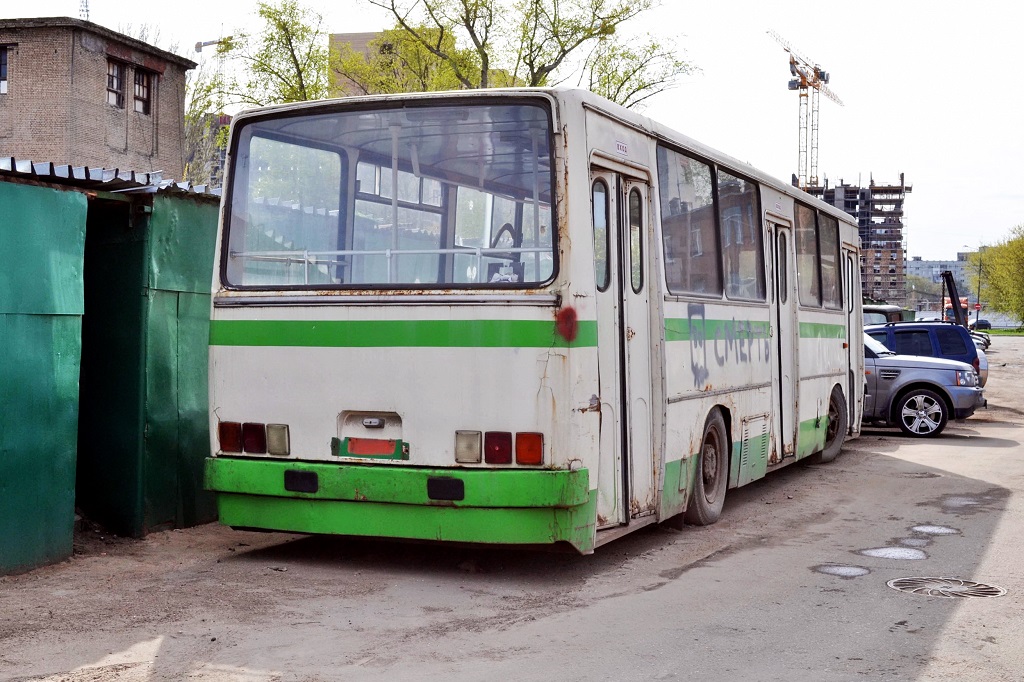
{"x": 809, "y": 80}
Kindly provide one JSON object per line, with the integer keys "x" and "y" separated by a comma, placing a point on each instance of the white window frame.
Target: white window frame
{"x": 5, "y": 66}
{"x": 117, "y": 93}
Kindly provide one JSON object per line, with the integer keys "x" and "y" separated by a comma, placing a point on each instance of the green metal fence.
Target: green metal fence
{"x": 42, "y": 232}
{"x": 110, "y": 364}
{"x": 144, "y": 434}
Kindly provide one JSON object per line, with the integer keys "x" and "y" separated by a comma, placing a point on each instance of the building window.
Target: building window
{"x": 3, "y": 69}
{"x": 143, "y": 81}
{"x": 115, "y": 84}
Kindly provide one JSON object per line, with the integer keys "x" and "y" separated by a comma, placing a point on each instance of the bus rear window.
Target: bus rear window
{"x": 412, "y": 197}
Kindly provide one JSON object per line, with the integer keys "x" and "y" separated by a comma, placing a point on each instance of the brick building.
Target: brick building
{"x": 77, "y": 93}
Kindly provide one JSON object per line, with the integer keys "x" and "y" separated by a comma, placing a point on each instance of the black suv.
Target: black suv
{"x": 931, "y": 339}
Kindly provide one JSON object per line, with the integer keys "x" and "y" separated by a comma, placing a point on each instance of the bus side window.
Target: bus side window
{"x": 636, "y": 247}
{"x": 600, "y": 210}
{"x": 741, "y": 237}
{"x": 808, "y": 262}
{"x": 688, "y": 224}
{"x": 783, "y": 270}
{"x": 828, "y": 235}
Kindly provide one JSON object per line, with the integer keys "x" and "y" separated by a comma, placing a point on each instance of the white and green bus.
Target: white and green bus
{"x": 522, "y": 316}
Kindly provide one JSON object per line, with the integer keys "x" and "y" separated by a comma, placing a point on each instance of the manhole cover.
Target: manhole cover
{"x": 945, "y": 587}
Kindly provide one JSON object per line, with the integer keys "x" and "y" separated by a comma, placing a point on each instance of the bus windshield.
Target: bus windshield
{"x": 438, "y": 196}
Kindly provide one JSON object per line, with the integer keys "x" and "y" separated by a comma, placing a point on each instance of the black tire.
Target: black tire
{"x": 835, "y": 430}
{"x": 921, "y": 413}
{"x": 712, "y": 478}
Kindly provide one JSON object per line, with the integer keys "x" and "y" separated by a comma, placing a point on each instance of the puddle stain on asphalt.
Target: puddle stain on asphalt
{"x": 841, "y": 570}
{"x": 906, "y": 553}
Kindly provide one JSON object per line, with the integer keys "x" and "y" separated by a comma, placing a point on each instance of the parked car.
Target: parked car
{"x": 917, "y": 394}
{"x": 981, "y": 324}
{"x": 982, "y": 368}
{"x": 932, "y": 339}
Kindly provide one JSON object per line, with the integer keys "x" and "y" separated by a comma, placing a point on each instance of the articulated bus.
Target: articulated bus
{"x": 523, "y": 316}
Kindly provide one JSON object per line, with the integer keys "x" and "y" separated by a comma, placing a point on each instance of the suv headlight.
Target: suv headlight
{"x": 966, "y": 378}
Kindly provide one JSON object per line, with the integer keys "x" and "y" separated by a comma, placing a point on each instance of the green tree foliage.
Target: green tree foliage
{"x": 438, "y": 24}
{"x": 923, "y": 289}
{"x": 286, "y": 61}
{"x": 498, "y": 43}
{"x": 205, "y": 138}
{"x": 1000, "y": 266}
{"x": 397, "y": 62}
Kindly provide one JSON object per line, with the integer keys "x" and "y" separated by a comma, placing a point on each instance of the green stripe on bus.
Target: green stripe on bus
{"x": 507, "y": 506}
{"x": 820, "y": 330}
{"x": 811, "y": 437}
{"x": 575, "y": 525}
{"x": 683, "y": 329}
{"x": 399, "y": 333}
{"x": 679, "y": 473}
{"x": 395, "y": 484}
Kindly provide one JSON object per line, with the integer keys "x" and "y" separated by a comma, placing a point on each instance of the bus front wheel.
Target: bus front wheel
{"x": 712, "y": 476}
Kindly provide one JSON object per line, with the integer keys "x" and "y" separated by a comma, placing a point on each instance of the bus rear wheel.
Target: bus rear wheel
{"x": 712, "y": 477}
{"x": 835, "y": 430}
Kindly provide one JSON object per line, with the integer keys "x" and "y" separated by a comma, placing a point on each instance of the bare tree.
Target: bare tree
{"x": 487, "y": 43}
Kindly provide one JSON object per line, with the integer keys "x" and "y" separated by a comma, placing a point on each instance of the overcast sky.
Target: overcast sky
{"x": 932, "y": 90}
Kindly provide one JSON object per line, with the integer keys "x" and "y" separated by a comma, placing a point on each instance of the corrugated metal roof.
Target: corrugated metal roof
{"x": 104, "y": 179}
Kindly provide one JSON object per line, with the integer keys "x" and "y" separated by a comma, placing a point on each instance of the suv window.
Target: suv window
{"x": 913, "y": 342}
{"x": 935, "y": 339}
{"x": 951, "y": 342}
{"x": 881, "y": 336}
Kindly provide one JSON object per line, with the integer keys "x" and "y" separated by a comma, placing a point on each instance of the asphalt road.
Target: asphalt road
{"x": 790, "y": 585}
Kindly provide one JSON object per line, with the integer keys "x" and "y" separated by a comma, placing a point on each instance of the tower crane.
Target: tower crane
{"x": 809, "y": 79}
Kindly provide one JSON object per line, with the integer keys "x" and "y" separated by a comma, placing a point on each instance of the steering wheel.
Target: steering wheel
{"x": 506, "y": 228}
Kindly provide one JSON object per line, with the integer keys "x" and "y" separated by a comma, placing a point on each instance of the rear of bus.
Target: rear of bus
{"x": 387, "y": 352}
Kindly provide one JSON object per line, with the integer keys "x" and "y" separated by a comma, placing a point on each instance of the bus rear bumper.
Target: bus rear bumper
{"x": 510, "y": 506}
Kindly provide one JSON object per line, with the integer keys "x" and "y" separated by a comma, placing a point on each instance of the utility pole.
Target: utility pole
{"x": 977, "y": 311}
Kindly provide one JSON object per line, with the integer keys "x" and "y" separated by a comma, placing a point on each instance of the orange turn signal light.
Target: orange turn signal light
{"x": 529, "y": 448}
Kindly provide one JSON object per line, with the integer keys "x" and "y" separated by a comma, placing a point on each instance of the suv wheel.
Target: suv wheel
{"x": 921, "y": 413}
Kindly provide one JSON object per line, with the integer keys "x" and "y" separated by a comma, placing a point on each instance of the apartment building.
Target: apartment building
{"x": 878, "y": 209}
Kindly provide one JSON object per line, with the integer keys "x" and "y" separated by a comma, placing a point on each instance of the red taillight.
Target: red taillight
{"x": 498, "y": 447}
{"x": 977, "y": 364}
{"x": 254, "y": 438}
{"x": 529, "y": 448}
{"x": 230, "y": 436}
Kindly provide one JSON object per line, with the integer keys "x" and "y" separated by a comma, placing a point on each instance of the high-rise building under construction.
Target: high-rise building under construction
{"x": 878, "y": 209}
